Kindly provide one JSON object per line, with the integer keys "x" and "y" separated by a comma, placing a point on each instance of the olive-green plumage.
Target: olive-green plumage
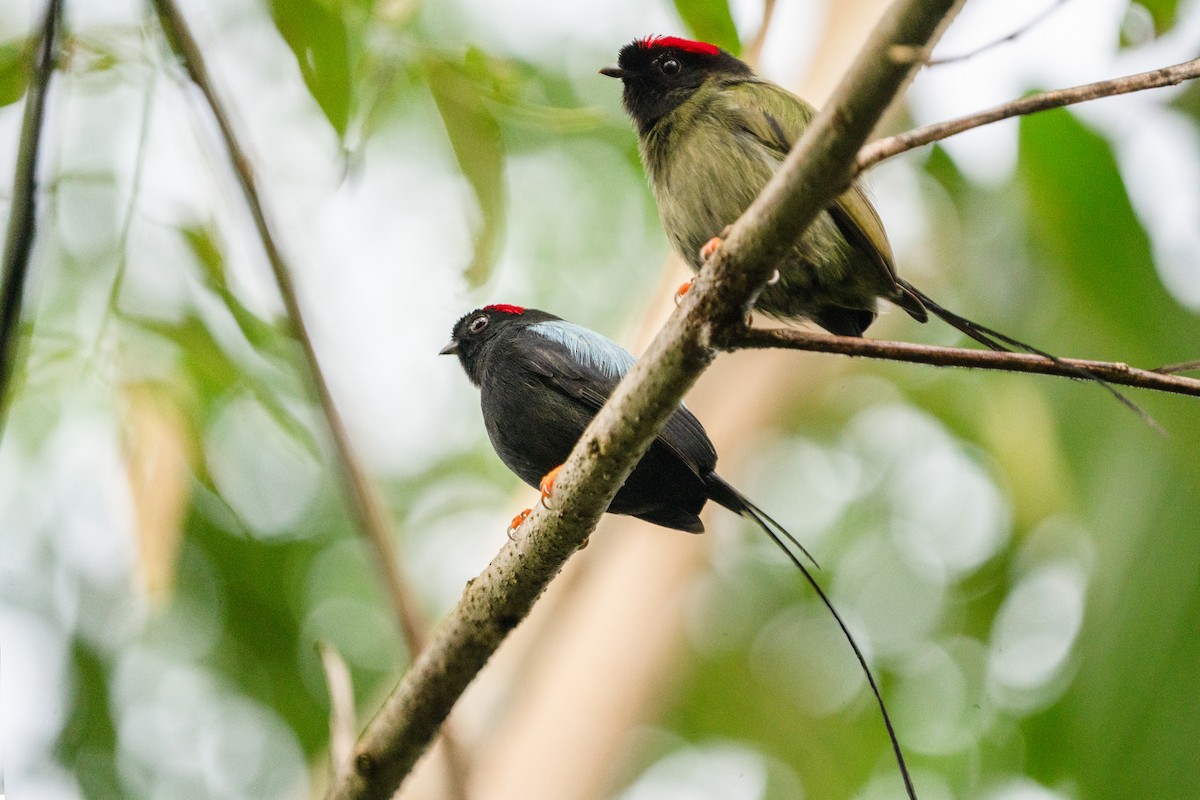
{"x": 712, "y": 133}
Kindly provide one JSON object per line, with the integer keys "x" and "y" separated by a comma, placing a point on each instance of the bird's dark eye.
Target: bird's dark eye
{"x": 478, "y": 324}
{"x": 670, "y": 67}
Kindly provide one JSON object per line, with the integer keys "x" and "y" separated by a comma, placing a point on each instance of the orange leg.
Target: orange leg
{"x": 547, "y": 487}
{"x": 710, "y": 247}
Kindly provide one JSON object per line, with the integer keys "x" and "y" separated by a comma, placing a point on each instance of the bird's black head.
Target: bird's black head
{"x": 661, "y": 72}
{"x": 476, "y": 331}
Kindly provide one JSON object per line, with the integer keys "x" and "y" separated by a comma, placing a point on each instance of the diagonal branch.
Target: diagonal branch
{"x": 361, "y": 496}
{"x": 882, "y": 149}
{"x": 1111, "y": 372}
{"x": 363, "y": 500}
{"x": 22, "y": 219}
{"x": 816, "y": 171}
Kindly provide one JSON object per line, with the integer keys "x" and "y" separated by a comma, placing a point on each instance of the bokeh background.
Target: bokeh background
{"x": 1017, "y": 555}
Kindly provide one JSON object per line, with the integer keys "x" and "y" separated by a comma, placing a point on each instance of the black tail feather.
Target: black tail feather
{"x": 862, "y": 661}
{"x": 1006, "y": 344}
{"x": 724, "y": 494}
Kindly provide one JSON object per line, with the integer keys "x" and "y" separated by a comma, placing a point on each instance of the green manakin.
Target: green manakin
{"x": 711, "y": 135}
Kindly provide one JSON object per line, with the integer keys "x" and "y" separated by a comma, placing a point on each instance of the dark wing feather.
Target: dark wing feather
{"x": 587, "y": 367}
{"x": 859, "y": 222}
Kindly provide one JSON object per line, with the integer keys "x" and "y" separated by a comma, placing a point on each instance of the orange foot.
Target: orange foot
{"x": 516, "y": 523}
{"x": 683, "y": 289}
{"x": 710, "y": 247}
{"x": 547, "y": 484}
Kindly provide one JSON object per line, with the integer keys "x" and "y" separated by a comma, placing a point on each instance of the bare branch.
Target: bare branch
{"x": 882, "y": 149}
{"x": 816, "y": 171}
{"x": 22, "y": 218}
{"x": 1018, "y": 33}
{"x": 1112, "y": 372}
{"x": 361, "y": 497}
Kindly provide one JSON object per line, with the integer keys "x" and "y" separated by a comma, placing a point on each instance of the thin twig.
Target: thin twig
{"x": 882, "y": 149}
{"x": 816, "y": 171}
{"x": 1187, "y": 366}
{"x": 135, "y": 191}
{"x": 342, "y": 723}
{"x": 754, "y": 49}
{"x": 362, "y": 499}
{"x": 22, "y": 219}
{"x": 1018, "y": 33}
{"x": 1112, "y": 372}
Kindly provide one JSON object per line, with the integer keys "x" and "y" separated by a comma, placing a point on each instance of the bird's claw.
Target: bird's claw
{"x": 516, "y": 523}
{"x": 683, "y": 289}
{"x": 547, "y": 484}
{"x": 547, "y": 487}
{"x": 710, "y": 247}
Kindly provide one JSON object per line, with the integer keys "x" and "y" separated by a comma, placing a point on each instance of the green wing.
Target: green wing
{"x": 776, "y": 118}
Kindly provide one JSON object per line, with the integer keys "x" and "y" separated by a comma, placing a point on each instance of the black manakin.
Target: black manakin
{"x": 542, "y": 380}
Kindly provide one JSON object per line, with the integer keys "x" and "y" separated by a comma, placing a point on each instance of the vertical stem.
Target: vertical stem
{"x": 363, "y": 501}
{"x": 22, "y": 219}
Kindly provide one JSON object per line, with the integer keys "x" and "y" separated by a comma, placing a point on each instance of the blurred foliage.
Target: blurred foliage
{"x": 1162, "y": 12}
{"x": 710, "y": 21}
{"x": 1146, "y": 20}
{"x": 321, "y": 35}
{"x": 14, "y": 71}
{"x": 475, "y": 135}
{"x": 1073, "y": 185}
{"x": 1017, "y": 554}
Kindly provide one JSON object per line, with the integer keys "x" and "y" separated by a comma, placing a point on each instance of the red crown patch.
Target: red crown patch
{"x": 686, "y": 45}
{"x": 505, "y": 308}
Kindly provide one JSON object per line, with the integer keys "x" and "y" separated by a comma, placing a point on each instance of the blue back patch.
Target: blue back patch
{"x": 587, "y": 347}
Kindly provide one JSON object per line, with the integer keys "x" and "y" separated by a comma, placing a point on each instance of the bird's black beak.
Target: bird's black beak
{"x": 613, "y": 72}
{"x": 451, "y": 348}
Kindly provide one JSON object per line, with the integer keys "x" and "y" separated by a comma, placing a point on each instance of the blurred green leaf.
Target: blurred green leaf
{"x": 942, "y": 168}
{"x": 267, "y": 338}
{"x": 88, "y": 742}
{"x": 215, "y": 374}
{"x": 1082, "y": 221}
{"x": 1188, "y": 101}
{"x": 1163, "y": 12}
{"x": 261, "y": 649}
{"x": 528, "y": 96}
{"x": 318, "y": 36}
{"x": 475, "y": 137}
{"x": 1124, "y": 713}
{"x": 384, "y": 81}
{"x": 14, "y": 71}
{"x": 710, "y": 21}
